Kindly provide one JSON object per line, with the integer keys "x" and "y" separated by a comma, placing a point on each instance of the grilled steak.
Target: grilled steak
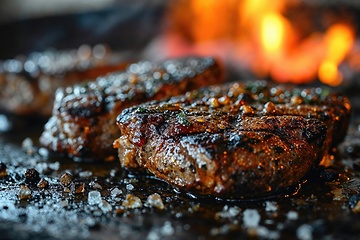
{"x": 238, "y": 140}
{"x": 83, "y": 122}
{"x": 28, "y": 84}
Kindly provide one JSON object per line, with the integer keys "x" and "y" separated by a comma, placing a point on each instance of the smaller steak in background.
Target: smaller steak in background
{"x": 28, "y": 84}
{"x": 83, "y": 124}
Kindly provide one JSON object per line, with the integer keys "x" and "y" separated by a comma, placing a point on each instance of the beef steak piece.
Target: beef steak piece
{"x": 83, "y": 124}
{"x": 238, "y": 140}
{"x": 28, "y": 84}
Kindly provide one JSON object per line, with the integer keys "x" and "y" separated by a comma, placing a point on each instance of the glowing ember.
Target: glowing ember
{"x": 260, "y": 36}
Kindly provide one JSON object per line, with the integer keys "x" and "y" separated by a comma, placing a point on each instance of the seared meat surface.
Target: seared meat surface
{"x": 84, "y": 117}
{"x": 238, "y": 140}
{"x": 28, "y": 84}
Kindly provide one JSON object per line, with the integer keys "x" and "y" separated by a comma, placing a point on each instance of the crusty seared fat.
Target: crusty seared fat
{"x": 238, "y": 140}
{"x": 83, "y": 122}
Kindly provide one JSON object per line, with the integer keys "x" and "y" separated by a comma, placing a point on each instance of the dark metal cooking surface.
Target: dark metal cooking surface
{"x": 91, "y": 202}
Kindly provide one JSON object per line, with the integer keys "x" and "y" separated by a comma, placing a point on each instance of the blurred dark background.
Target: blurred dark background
{"x": 37, "y": 25}
{"x": 129, "y": 26}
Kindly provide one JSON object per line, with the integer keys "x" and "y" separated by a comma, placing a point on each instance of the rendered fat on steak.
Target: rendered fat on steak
{"x": 83, "y": 124}
{"x": 238, "y": 140}
{"x": 28, "y": 84}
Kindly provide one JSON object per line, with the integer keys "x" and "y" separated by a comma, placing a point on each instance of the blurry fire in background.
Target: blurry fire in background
{"x": 284, "y": 40}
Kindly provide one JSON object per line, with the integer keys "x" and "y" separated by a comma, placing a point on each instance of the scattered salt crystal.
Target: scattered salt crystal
{"x": 113, "y": 172}
{"x": 129, "y": 187}
{"x": 269, "y": 221}
{"x": 27, "y": 145}
{"x": 64, "y": 203}
{"x": 262, "y": 231}
{"x": 280, "y": 226}
{"x": 292, "y": 215}
{"x": 132, "y": 201}
{"x": 5, "y": 124}
{"x": 105, "y": 206}
{"x": 115, "y": 193}
{"x": 32, "y": 161}
{"x": 90, "y": 221}
{"x": 94, "y": 197}
{"x": 270, "y": 206}
{"x": 54, "y": 166}
{"x": 95, "y": 185}
{"x": 251, "y": 218}
{"x": 85, "y": 174}
{"x": 43, "y": 152}
{"x": 42, "y": 167}
{"x": 66, "y": 190}
{"x": 194, "y": 208}
{"x": 304, "y": 232}
{"x": 167, "y": 229}
{"x": 224, "y": 229}
{"x": 97, "y": 213}
{"x": 227, "y": 212}
{"x": 154, "y": 200}
{"x": 153, "y": 235}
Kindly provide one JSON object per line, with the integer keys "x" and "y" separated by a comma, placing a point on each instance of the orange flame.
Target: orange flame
{"x": 338, "y": 41}
{"x": 272, "y": 32}
{"x": 257, "y": 35}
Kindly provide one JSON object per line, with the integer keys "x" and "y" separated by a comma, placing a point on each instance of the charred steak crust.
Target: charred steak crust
{"x": 238, "y": 140}
{"x": 84, "y": 117}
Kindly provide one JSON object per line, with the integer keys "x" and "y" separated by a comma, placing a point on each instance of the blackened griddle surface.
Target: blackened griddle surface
{"x": 324, "y": 206}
